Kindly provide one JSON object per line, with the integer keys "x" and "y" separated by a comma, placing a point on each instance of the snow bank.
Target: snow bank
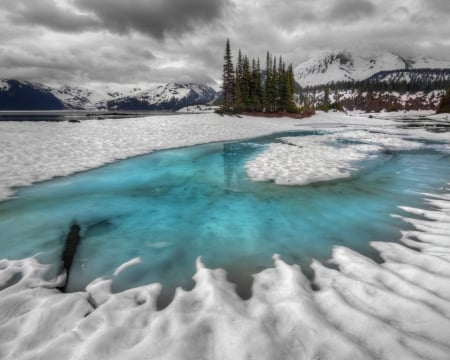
{"x": 304, "y": 160}
{"x": 37, "y": 151}
{"x": 399, "y": 309}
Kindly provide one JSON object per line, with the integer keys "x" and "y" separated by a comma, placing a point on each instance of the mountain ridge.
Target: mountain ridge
{"x": 26, "y": 95}
{"x": 344, "y": 65}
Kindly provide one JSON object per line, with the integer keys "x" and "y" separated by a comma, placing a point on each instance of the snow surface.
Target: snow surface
{"x": 198, "y": 109}
{"x": 360, "y": 309}
{"x": 304, "y": 160}
{"x": 299, "y": 161}
{"x": 4, "y": 86}
{"x": 32, "y": 152}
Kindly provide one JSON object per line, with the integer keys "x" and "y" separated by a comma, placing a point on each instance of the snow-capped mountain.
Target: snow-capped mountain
{"x": 24, "y": 95}
{"x": 171, "y": 96}
{"x": 76, "y": 98}
{"x": 342, "y": 65}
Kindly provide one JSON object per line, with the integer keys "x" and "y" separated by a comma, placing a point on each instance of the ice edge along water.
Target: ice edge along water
{"x": 399, "y": 309}
{"x": 365, "y": 310}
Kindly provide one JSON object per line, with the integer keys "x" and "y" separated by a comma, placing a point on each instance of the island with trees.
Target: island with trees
{"x": 248, "y": 89}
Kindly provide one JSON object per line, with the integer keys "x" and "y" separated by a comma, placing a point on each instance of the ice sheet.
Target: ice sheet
{"x": 334, "y": 155}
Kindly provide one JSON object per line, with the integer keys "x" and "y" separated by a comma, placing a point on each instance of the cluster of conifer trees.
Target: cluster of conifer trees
{"x": 247, "y": 88}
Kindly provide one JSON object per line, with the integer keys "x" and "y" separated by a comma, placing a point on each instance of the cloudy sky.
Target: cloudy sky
{"x": 94, "y": 42}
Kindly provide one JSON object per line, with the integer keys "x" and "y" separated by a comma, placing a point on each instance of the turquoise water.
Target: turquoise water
{"x": 170, "y": 207}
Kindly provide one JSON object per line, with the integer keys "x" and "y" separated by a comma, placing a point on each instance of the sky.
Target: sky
{"x": 136, "y": 42}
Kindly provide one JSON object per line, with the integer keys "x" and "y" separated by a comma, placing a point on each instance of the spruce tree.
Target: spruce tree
{"x": 228, "y": 80}
{"x": 245, "y": 86}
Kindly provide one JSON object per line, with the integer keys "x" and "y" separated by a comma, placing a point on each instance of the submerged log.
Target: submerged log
{"x": 70, "y": 248}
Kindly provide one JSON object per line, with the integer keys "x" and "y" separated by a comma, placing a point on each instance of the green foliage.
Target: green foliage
{"x": 248, "y": 88}
{"x": 334, "y": 106}
{"x": 228, "y": 80}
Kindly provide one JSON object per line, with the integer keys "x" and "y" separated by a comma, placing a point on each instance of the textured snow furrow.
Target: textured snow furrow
{"x": 399, "y": 309}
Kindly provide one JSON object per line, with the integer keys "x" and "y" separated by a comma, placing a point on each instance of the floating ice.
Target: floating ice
{"x": 334, "y": 155}
{"x": 134, "y": 261}
{"x": 298, "y": 161}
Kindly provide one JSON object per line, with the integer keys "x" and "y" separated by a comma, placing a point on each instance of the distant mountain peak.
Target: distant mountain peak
{"x": 345, "y": 65}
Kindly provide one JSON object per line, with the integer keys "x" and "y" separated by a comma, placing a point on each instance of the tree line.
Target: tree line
{"x": 425, "y": 80}
{"x": 248, "y": 88}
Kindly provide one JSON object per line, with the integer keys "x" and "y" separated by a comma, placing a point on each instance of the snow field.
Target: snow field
{"x": 32, "y": 152}
{"x": 398, "y": 309}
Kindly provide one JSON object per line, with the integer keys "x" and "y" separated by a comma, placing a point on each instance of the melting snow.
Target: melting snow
{"x": 399, "y": 309}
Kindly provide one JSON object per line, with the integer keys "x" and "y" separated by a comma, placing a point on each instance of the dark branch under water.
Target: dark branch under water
{"x": 70, "y": 248}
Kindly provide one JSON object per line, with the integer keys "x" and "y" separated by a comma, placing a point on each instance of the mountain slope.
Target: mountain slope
{"x": 342, "y": 65}
{"x": 23, "y": 95}
{"x": 170, "y": 96}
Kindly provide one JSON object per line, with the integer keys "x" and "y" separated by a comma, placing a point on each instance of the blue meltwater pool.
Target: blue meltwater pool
{"x": 170, "y": 207}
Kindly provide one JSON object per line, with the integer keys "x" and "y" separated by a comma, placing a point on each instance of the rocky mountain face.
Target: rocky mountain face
{"x": 386, "y": 82}
{"x": 23, "y": 95}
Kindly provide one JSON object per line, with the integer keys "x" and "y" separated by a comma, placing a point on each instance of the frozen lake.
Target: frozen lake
{"x": 370, "y": 201}
{"x": 172, "y": 206}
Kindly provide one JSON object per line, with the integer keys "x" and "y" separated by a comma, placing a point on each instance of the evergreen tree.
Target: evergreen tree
{"x": 245, "y": 86}
{"x": 268, "y": 83}
{"x": 444, "y": 106}
{"x": 228, "y": 80}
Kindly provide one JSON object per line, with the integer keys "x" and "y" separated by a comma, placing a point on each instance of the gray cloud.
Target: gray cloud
{"x": 350, "y": 10}
{"x": 49, "y": 15}
{"x": 437, "y": 5}
{"x": 155, "y": 17}
{"x": 142, "y": 41}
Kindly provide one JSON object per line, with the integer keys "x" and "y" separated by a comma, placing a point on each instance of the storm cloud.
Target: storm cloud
{"x": 49, "y": 14}
{"x": 155, "y": 17}
{"x": 142, "y": 41}
{"x": 351, "y": 10}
